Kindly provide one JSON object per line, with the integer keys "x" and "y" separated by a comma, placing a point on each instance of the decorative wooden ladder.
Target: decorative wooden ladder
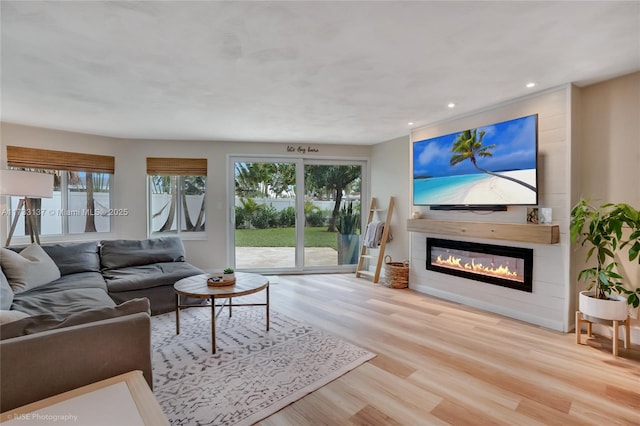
{"x": 364, "y": 251}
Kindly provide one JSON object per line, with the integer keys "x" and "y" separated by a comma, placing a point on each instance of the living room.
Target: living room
{"x": 212, "y": 253}
{"x": 574, "y": 119}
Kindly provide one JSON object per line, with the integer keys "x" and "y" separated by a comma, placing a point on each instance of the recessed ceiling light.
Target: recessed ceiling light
{"x": 530, "y": 85}
{"x": 410, "y": 123}
{"x": 451, "y": 105}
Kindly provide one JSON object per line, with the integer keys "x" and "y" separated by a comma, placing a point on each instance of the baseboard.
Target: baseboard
{"x": 607, "y": 331}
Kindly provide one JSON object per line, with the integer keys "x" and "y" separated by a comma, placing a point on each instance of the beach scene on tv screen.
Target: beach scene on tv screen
{"x": 490, "y": 165}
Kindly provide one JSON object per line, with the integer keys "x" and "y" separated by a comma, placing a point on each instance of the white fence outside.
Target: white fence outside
{"x": 52, "y": 214}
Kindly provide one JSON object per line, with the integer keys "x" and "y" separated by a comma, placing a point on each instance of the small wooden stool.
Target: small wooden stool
{"x": 627, "y": 326}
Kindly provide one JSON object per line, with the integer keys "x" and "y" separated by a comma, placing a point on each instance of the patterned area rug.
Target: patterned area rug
{"x": 254, "y": 372}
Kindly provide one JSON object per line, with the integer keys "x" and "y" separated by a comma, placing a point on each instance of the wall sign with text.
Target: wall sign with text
{"x": 302, "y": 149}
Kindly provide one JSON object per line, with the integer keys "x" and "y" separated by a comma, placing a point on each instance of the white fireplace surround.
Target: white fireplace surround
{"x": 551, "y": 302}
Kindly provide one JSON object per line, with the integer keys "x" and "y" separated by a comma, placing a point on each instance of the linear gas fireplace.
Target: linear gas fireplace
{"x": 501, "y": 265}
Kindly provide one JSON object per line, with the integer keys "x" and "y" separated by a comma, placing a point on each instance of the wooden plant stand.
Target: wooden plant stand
{"x": 627, "y": 326}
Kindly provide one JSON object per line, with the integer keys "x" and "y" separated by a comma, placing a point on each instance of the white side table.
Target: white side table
{"x": 121, "y": 400}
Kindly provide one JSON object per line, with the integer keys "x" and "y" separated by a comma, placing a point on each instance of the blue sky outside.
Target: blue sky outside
{"x": 515, "y": 149}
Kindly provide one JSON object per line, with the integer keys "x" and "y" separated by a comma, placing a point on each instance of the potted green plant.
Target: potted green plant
{"x": 602, "y": 230}
{"x": 228, "y": 274}
{"x": 347, "y": 224}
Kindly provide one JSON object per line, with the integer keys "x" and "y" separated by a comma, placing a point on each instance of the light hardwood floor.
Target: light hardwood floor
{"x": 439, "y": 363}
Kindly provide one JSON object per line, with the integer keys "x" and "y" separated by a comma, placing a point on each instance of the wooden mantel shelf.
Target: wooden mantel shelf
{"x": 524, "y": 232}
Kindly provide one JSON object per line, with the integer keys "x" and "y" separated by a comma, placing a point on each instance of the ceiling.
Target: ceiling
{"x": 350, "y": 72}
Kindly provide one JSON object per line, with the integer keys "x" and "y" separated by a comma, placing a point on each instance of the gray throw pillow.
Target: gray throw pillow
{"x": 6, "y": 293}
{"x": 30, "y": 268}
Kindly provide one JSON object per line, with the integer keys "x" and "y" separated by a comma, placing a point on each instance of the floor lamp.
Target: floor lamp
{"x": 27, "y": 185}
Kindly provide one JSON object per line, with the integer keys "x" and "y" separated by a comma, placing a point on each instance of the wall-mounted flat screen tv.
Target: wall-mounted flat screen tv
{"x": 494, "y": 165}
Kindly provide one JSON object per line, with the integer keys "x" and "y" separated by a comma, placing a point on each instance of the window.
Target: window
{"x": 81, "y": 201}
{"x": 88, "y": 193}
{"x": 177, "y": 188}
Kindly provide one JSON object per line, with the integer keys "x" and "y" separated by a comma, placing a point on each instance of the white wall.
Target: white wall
{"x": 610, "y": 156}
{"x": 390, "y": 177}
{"x": 129, "y": 183}
{"x": 548, "y": 304}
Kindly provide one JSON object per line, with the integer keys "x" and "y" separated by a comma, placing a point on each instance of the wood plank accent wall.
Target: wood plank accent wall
{"x": 549, "y": 305}
{"x": 524, "y": 232}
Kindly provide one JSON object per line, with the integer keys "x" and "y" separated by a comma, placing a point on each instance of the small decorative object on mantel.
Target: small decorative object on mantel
{"x": 545, "y": 215}
{"x": 416, "y": 214}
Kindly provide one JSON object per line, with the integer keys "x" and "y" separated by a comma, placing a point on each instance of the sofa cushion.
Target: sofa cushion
{"x": 6, "y": 293}
{"x": 62, "y": 303}
{"x": 148, "y": 276}
{"x": 116, "y": 254}
{"x": 72, "y": 258}
{"x": 69, "y": 282}
{"x": 30, "y": 268}
{"x": 10, "y": 316}
{"x": 44, "y": 322}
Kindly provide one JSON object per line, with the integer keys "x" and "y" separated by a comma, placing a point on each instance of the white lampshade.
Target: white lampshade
{"x": 26, "y": 184}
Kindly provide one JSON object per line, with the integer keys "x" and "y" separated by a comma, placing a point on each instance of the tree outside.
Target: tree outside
{"x": 171, "y": 194}
{"x": 468, "y": 146}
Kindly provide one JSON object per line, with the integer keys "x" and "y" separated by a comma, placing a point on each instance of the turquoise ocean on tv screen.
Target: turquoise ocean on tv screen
{"x": 439, "y": 190}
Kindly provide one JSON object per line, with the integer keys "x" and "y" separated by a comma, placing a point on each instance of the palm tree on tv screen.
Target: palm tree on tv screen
{"x": 468, "y": 146}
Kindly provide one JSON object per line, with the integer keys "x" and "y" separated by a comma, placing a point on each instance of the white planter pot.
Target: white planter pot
{"x": 228, "y": 277}
{"x": 614, "y": 308}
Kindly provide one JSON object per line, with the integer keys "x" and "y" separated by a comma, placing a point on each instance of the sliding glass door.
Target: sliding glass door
{"x": 294, "y": 215}
{"x": 265, "y": 214}
{"x": 332, "y": 214}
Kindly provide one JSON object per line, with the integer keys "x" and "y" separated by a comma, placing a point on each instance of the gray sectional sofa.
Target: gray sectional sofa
{"x": 102, "y": 274}
{"x": 84, "y": 312}
{"x": 145, "y": 268}
{"x": 43, "y": 355}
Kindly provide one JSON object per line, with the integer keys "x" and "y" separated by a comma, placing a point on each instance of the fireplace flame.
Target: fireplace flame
{"x": 456, "y": 262}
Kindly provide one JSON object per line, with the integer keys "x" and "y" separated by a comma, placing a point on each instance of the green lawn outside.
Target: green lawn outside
{"x": 285, "y": 237}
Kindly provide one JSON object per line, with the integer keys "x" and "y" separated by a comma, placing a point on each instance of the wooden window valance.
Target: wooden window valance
{"x": 35, "y": 158}
{"x": 177, "y": 166}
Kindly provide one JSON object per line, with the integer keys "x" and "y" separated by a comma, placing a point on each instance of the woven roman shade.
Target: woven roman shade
{"x": 35, "y": 158}
{"x": 177, "y": 166}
